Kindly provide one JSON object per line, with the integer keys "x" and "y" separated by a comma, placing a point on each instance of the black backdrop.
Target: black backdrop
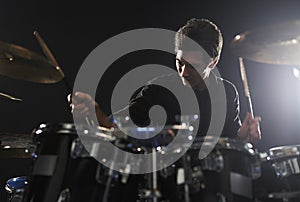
{"x": 73, "y": 29}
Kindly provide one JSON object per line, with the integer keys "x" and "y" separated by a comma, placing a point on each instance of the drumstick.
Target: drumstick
{"x": 50, "y": 56}
{"x": 246, "y": 87}
{"x": 9, "y": 97}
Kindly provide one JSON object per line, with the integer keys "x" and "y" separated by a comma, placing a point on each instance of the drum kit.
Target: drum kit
{"x": 234, "y": 171}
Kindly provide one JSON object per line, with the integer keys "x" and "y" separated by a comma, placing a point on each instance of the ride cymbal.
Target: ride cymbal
{"x": 273, "y": 44}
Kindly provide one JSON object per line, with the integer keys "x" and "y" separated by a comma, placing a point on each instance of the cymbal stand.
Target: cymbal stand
{"x": 151, "y": 193}
{"x": 110, "y": 176}
{"x": 187, "y": 176}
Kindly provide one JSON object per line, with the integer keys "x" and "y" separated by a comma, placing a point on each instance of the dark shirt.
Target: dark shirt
{"x": 168, "y": 92}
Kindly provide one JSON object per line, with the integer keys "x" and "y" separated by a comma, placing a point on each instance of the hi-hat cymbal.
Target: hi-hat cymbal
{"x": 19, "y": 63}
{"x": 274, "y": 44}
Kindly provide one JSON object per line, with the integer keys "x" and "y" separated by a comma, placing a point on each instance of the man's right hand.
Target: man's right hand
{"x": 82, "y": 105}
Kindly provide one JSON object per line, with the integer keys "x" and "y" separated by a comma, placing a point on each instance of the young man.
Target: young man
{"x": 194, "y": 75}
{"x": 194, "y": 69}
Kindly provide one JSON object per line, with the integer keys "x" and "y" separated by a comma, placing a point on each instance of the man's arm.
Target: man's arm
{"x": 81, "y": 106}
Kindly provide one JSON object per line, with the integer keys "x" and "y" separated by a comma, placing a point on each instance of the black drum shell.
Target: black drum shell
{"x": 76, "y": 175}
{"x": 280, "y": 175}
{"x": 232, "y": 179}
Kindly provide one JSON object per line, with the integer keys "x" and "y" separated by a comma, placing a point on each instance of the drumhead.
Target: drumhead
{"x": 55, "y": 127}
{"x": 221, "y": 143}
{"x": 85, "y": 131}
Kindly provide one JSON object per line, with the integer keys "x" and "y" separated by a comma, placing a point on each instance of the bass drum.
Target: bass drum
{"x": 280, "y": 180}
{"x": 226, "y": 174}
{"x": 64, "y": 171}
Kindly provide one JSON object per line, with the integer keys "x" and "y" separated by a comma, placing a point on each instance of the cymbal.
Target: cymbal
{"x": 273, "y": 44}
{"x": 19, "y": 63}
{"x": 15, "y": 145}
{"x": 9, "y": 97}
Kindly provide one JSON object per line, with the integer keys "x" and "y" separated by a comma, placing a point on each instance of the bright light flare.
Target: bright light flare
{"x": 296, "y": 73}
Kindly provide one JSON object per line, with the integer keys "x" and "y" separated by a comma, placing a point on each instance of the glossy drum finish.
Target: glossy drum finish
{"x": 280, "y": 180}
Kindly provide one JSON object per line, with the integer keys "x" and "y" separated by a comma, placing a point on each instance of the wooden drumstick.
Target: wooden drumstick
{"x": 9, "y": 97}
{"x": 50, "y": 56}
{"x": 246, "y": 87}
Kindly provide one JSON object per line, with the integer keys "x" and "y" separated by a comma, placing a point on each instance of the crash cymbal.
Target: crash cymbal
{"x": 274, "y": 44}
{"x": 19, "y": 63}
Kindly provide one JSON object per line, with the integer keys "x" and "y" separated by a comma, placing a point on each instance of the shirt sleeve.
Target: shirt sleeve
{"x": 233, "y": 121}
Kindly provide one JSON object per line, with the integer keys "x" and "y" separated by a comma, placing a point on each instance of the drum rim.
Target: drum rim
{"x": 280, "y": 152}
{"x": 225, "y": 143}
{"x": 12, "y": 189}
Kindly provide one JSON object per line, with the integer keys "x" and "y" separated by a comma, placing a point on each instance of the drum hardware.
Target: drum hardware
{"x": 168, "y": 171}
{"x": 284, "y": 195}
{"x": 193, "y": 172}
{"x": 64, "y": 196}
{"x": 213, "y": 162}
{"x": 15, "y": 188}
{"x": 59, "y": 145}
{"x": 286, "y": 168}
{"x": 151, "y": 192}
{"x": 78, "y": 150}
{"x": 186, "y": 162}
{"x": 285, "y": 160}
{"x": 218, "y": 175}
{"x": 220, "y": 197}
{"x": 112, "y": 174}
{"x": 280, "y": 179}
{"x": 89, "y": 134}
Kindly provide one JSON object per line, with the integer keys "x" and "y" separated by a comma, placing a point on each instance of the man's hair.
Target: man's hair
{"x": 202, "y": 31}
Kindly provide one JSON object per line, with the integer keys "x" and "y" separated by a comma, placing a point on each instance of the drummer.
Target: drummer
{"x": 193, "y": 68}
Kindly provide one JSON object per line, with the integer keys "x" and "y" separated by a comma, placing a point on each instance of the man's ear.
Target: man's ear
{"x": 213, "y": 63}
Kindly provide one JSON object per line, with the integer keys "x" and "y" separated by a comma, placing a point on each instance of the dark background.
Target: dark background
{"x": 72, "y": 30}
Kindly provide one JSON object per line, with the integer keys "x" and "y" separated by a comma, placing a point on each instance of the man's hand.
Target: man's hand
{"x": 82, "y": 105}
{"x": 250, "y": 129}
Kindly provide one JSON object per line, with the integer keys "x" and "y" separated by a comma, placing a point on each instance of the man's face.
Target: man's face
{"x": 190, "y": 67}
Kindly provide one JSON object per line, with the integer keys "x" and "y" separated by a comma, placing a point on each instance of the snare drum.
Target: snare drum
{"x": 63, "y": 170}
{"x": 280, "y": 180}
{"x": 225, "y": 174}
{"x": 15, "y": 189}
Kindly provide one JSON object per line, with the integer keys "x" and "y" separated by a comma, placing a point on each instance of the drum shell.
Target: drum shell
{"x": 76, "y": 175}
{"x": 227, "y": 173}
{"x": 55, "y": 171}
{"x": 280, "y": 175}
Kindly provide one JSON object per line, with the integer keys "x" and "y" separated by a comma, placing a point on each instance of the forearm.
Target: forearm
{"x": 102, "y": 118}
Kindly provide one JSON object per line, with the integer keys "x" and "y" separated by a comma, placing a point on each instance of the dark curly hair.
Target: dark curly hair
{"x": 202, "y": 31}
